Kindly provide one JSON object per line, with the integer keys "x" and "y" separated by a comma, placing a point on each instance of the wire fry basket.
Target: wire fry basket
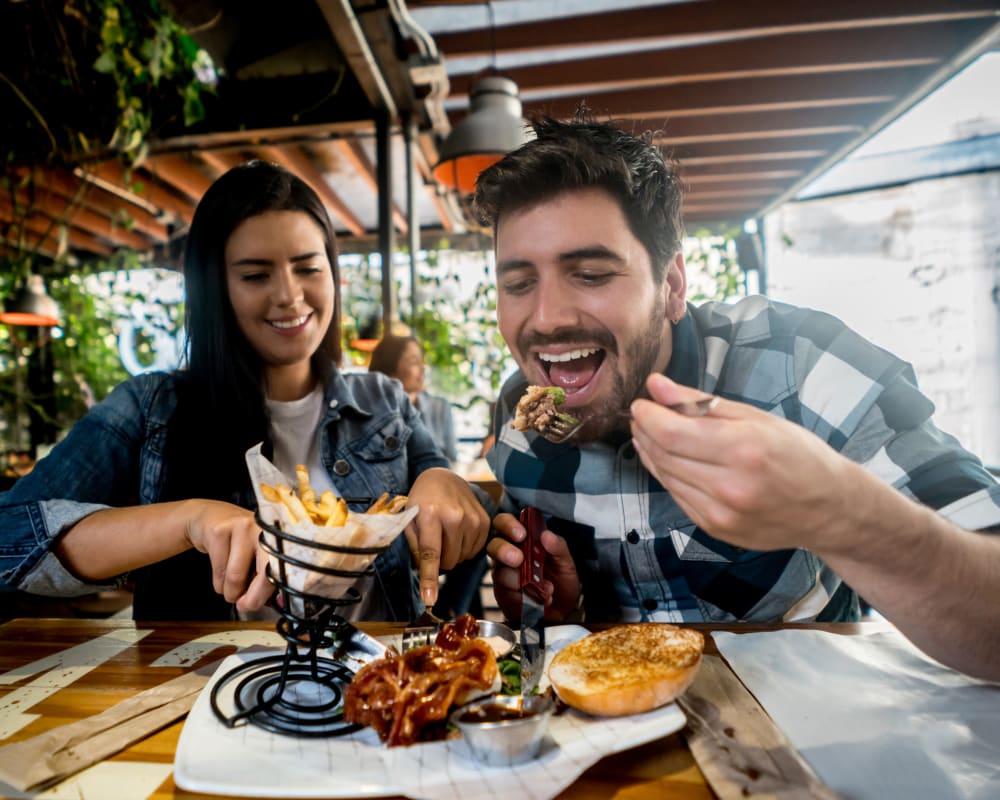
{"x": 298, "y": 692}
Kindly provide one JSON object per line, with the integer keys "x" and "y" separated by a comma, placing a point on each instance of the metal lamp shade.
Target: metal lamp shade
{"x": 32, "y": 306}
{"x": 492, "y": 128}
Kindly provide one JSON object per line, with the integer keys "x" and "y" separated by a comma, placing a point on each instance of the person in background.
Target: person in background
{"x": 153, "y": 482}
{"x": 402, "y": 357}
{"x": 817, "y": 473}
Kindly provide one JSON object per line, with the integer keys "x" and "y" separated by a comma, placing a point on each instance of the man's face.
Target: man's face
{"x": 578, "y": 306}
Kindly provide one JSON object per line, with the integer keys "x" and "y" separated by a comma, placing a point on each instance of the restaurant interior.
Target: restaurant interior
{"x": 115, "y": 118}
{"x": 390, "y": 109}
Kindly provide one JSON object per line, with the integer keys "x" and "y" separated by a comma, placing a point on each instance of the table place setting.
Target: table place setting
{"x": 872, "y": 715}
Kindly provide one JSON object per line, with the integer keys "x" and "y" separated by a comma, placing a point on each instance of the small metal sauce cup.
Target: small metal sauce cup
{"x": 497, "y": 631}
{"x": 504, "y": 742}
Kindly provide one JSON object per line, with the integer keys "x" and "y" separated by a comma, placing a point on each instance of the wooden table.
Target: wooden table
{"x": 663, "y": 768}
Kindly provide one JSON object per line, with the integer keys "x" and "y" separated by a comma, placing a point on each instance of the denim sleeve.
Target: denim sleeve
{"x": 27, "y": 562}
{"x": 422, "y": 451}
{"x": 95, "y": 466}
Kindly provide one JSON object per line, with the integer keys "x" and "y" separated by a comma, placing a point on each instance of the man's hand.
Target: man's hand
{"x": 450, "y": 527}
{"x": 747, "y": 477}
{"x": 230, "y": 537}
{"x": 561, "y": 587}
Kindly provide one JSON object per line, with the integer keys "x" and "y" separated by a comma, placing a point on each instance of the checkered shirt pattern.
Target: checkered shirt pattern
{"x": 641, "y": 558}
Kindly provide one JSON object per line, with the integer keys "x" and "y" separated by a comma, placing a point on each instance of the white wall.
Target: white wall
{"x": 913, "y": 269}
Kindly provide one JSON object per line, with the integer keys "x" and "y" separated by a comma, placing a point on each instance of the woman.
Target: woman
{"x": 402, "y": 357}
{"x": 153, "y": 480}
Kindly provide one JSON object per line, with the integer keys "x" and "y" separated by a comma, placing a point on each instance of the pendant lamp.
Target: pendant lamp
{"x": 492, "y": 128}
{"x": 31, "y": 305}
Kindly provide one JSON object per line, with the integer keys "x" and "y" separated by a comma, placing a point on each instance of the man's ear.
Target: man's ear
{"x": 675, "y": 288}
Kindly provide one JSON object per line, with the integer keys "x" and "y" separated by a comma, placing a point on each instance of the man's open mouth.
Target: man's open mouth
{"x": 572, "y": 370}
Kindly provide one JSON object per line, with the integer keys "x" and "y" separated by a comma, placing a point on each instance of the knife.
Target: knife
{"x": 532, "y": 600}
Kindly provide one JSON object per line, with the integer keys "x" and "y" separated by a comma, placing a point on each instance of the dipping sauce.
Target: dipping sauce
{"x": 493, "y": 712}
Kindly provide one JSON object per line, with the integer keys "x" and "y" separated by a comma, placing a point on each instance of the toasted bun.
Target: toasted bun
{"x": 627, "y": 669}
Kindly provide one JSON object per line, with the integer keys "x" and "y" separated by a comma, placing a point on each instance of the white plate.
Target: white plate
{"x": 251, "y": 761}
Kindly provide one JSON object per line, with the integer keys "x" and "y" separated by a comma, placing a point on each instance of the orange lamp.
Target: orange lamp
{"x": 492, "y": 128}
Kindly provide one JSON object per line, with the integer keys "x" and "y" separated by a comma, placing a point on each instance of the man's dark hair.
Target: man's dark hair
{"x": 582, "y": 154}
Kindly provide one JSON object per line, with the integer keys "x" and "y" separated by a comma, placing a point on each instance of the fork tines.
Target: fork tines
{"x": 423, "y": 630}
{"x": 560, "y": 428}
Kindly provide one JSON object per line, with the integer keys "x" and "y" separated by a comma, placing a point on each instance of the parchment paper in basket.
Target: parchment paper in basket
{"x": 361, "y": 530}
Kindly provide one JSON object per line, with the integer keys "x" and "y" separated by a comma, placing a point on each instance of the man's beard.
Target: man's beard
{"x": 611, "y": 415}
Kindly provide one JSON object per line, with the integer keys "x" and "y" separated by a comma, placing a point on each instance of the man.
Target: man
{"x": 817, "y": 476}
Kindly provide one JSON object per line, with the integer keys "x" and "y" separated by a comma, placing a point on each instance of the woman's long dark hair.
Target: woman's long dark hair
{"x": 221, "y": 410}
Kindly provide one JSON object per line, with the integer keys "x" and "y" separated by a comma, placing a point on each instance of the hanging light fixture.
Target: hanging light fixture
{"x": 492, "y": 128}
{"x": 31, "y": 305}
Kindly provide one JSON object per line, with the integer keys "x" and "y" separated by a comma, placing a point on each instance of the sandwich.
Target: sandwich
{"x": 627, "y": 669}
{"x": 538, "y": 409}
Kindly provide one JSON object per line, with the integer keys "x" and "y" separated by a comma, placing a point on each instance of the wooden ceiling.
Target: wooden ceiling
{"x": 754, "y": 97}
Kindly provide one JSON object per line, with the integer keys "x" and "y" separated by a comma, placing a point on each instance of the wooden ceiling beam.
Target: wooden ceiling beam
{"x": 743, "y": 96}
{"x": 221, "y": 161}
{"x": 294, "y": 160}
{"x": 785, "y": 175}
{"x": 100, "y": 201}
{"x": 76, "y": 213}
{"x": 178, "y": 171}
{"x": 743, "y": 158}
{"x": 50, "y": 230}
{"x": 809, "y": 53}
{"x": 426, "y": 150}
{"x": 757, "y": 146}
{"x": 736, "y": 19}
{"x": 755, "y": 122}
{"x": 352, "y": 151}
{"x": 112, "y": 176}
{"x": 33, "y": 242}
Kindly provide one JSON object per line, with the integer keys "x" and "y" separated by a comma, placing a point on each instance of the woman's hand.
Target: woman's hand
{"x": 561, "y": 586}
{"x": 450, "y": 527}
{"x": 230, "y": 536}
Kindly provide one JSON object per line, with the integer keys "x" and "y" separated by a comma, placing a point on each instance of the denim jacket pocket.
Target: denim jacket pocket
{"x": 375, "y": 461}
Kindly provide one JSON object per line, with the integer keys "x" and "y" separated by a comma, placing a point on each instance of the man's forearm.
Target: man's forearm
{"x": 939, "y": 584}
{"x": 113, "y": 541}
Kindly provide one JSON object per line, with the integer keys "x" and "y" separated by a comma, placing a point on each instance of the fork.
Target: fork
{"x": 563, "y": 426}
{"x": 421, "y": 631}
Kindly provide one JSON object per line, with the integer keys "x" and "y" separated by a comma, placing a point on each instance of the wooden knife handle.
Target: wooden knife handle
{"x": 533, "y": 566}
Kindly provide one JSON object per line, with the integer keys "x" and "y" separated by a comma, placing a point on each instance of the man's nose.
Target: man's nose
{"x": 554, "y": 307}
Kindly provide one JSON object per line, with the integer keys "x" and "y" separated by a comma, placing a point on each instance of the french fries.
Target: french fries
{"x": 328, "y": 510}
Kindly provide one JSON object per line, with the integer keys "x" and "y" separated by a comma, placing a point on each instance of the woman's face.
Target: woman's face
{"x": 410, "y": 369}
{"x": 281, "y": 288}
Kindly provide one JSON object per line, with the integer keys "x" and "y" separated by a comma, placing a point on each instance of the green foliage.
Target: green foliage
{"x": 93, "y": 78}
{"x": 712, "y": 270}
{"x": 455, "y": 321}
{"x": 84, "y": 349}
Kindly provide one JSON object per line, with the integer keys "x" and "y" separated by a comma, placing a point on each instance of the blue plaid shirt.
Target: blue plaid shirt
{"x": 638, "y": 554}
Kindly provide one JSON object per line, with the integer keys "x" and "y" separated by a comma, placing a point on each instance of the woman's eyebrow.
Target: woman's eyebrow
{"x": 251, "y": 261}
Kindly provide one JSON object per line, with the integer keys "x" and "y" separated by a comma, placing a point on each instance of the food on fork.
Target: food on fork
{"x": 538, "y": 409}
{"x": 627, "y": 669}
{"x": 407, "y": 698}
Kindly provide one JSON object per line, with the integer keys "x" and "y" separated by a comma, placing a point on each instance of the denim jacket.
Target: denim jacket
{"x": 373, "y": 442}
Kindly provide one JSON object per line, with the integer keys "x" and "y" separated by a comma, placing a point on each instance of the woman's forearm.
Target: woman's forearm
{"x": 113, "y": 541}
